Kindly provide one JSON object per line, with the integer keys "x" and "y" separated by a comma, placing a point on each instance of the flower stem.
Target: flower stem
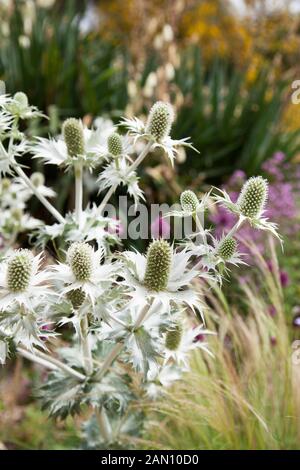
{"x": 78, "y": 193}
{"x": 132, "y": 167}
{"x": 41, "y": 198}
{"x": 104, "y": 424}
{"x": 200, "y": 227}
{"x": 49, "y": 362}
{"x": 234, "y": 229}
{"x": 85, "y": 346}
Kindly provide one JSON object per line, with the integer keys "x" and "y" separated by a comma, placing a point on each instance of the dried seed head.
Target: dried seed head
{"x": 80, "y": 259}
{"x": 173, "y": 337}
{"x": 19, "y": 270}
{"x": 159, "y": 258}
{"x": 160, "y": 120}
{"x": 189, "y": 201}
{"x": 21, "y": 99}
{"x": 37, "y": 179}
{"x": 227, "y": 248}
{"x": 73, "y": 135}
{"x": 253, "y": 197}
{"x": 76, "y": 297}
{"x": 114, "y": 144}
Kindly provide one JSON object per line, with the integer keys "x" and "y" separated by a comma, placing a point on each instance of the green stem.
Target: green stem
{"x": 78, "y": 193}
{"x": 49, "y": 362}
{"x": 85, "y": 346}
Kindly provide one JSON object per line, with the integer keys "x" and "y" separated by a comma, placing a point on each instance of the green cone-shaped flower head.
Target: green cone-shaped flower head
{"x": 160, "y": 120}
{"x": 19, "y": 271}
{"x": 173, "y": 337}
{"x": 73, "y": 135}
{"x": 227, "y": 248}
{"x": 21, "y": 99}
{"x": 253, "y": 197}
{"x": 37, "y": 179}
{"x": 189, "y": 201}
{"x": 80, "y": 259}
{"x": 159, "y": 257}
{"x": 114, "y": 144}
{"x": 76, "y": 297}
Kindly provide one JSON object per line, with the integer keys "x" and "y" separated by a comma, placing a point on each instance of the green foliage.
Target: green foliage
{"x": 233, "y": 124}
{"x": 60, "y": 65}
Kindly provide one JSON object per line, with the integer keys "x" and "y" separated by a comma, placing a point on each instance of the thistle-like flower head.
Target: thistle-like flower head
{"x": 253, "y": 197}
{"x": 76, "y": 297}
{"x": 159, "y": 257}
{"x": 19, "y": 271}
{"x": 80, "y": 259}
{"x": 114, "y": 144}
{"x": 189, "y": 201}
{"x": 173, "y": 337}
{"x": 160, "y": 120}
{"x": 74, "y": 137}
{"x": 227, "y": 248}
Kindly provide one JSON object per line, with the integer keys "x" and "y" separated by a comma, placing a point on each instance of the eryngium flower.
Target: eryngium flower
{"x": 114, "y": 144}
{"x": 189, "y": 201}
{"x": 80, "y": 259}
{"x": 160, "y": 120}
{"x": 19, "y": 271}
{"x": 227, "y": 248}
{"x": 74, "y": 138}
{"x": 76, "y": 297}
{"x": 253, "y": 197}
{"x": 159, "y": 257}
{"x": 173, "y": 337}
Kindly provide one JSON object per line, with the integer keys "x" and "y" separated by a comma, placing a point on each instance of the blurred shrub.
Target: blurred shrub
{"x": 234, "y": 125}
{"x": 49, "y": 59}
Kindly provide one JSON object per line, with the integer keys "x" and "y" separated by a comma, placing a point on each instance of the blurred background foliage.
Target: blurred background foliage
{"x": 227, "y": 74}
{"x": 227, "y": 67}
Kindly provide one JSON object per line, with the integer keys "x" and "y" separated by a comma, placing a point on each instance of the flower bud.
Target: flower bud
{"x": 19, "y": 270}
{"x": 160, "y": 120}
{"x": 227, "y": 248}
{"x": 73, "y": 135}
{"x": 158, "y": 266}
{"x": 114, "y": 144}
{"x": 76, "y": 297}
{"x": 189, "y": 201}
{"x": 253, "y": 197}
{"x": 21, "y": 99}
{"x": 173, "y": 337}
{"x": 80, "y": 259}
{"x": 37, "y": 179}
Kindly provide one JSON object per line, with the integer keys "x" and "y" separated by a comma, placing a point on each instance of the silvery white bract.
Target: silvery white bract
{"x": 129, "y": 320}
{"x": 157, "y": 130}
{"x": 54, "y": 151}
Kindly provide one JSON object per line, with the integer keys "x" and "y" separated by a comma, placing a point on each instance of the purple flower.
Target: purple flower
{"x": 284, "y": 278}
